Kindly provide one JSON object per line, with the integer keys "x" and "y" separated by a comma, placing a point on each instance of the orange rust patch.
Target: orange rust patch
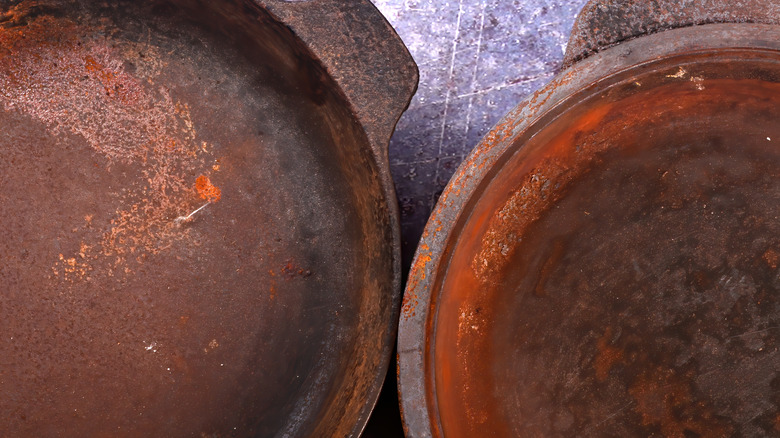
{"x": 423, "y": 260}
{"x": 417, "y": 274}
{"x": 207, "y": 190}
{"x": 272, "y": 287}
{"x": 292, "y": 270}
{"x": 771, "y": 257}
{"x": 74, "y": 79}
{"x": 538, "y": 189}
{"x": 71, "y": 268}
{"x": 608, "y": 356}
{"x": 523, "y": 208}
{"x": 409, "y": 303}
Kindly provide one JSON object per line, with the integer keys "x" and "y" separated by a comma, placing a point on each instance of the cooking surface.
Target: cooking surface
{"x": 621, "y": 282}
{"x": 175, "y": 204}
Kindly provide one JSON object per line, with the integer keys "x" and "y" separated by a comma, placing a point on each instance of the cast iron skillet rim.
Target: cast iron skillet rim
{"x": 598, "y": 72}
{"x": 380, "y": 163}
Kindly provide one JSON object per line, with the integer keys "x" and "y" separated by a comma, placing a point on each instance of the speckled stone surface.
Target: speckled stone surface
{"x": 478, "y": 59}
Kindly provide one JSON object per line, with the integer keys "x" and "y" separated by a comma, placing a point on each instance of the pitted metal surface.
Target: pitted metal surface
{"x": 604, "y": 23}
{"x": 647, "y": 170}
{"x": 201, "y": 237}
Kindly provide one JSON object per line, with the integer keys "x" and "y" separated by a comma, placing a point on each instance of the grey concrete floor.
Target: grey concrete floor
{"x": 478, "y": 59}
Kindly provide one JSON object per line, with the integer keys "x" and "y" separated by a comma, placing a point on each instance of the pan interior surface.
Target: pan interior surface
{"x": 196, "y": 240}
{"x": 617, "y": 273}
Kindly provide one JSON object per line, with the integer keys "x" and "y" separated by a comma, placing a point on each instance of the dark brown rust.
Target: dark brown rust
{"x": 200, "y": 240}
{"x": 645, "y": 271}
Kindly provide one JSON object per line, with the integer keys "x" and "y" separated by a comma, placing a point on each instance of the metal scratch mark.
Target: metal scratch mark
{"x": 181, "y": 219}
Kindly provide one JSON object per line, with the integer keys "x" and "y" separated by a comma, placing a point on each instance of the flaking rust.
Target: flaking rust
{"x": 75, "y": 81}
{"x": 540, "y": 188}
{"x": 206, "y": 190}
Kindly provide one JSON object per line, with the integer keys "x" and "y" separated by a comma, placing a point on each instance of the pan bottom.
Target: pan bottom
{"x": 622, "y": 278}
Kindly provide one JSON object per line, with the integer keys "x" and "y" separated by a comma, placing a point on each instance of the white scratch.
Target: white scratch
{"x": 754, "y": 332}
{"x": 449, "y": 92}
{"x": 476, "y": 67}
{"x": 186, "y": 218}
{"x": 614, "y": 414}
{"x": 526, "y": 80}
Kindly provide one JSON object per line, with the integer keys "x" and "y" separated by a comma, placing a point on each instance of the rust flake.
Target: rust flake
{"x": 771, "y": 257}
{"x": 291, "y": 270}
{"x": 72, "y": 268}
{"x": 206, "y": 190}
{"x": 523, "y": 208}
{"x": 416, "y": 275}
{"x": 544, "y": 185}
{"x": 409, "y": 304}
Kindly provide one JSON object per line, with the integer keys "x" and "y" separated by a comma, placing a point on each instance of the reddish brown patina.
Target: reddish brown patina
{"x": 615, "y": 279}
{"x": 608, "y": 262}
{"x": 200, "y": 234}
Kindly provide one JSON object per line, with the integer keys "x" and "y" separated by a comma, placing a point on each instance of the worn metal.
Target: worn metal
{"x": 201, "y": 233}
{"x": 604, "y": 23}
{"x": 605, "y": 262}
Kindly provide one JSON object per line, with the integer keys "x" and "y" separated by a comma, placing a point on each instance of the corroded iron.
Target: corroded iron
{"x": 605, "y": 262}
{"x": 605, "y": 23}
{"x": 201, "y": 233}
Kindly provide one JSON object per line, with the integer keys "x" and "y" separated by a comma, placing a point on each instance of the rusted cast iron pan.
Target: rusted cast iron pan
{"x": 604, "y": 23}
{"x": 201, "y": 236}
{"x": 606, "y": 262}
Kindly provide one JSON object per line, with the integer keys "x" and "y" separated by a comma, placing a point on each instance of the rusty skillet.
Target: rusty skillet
{"x": 605, "y": 263}
{"x": 200, "y": 231}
